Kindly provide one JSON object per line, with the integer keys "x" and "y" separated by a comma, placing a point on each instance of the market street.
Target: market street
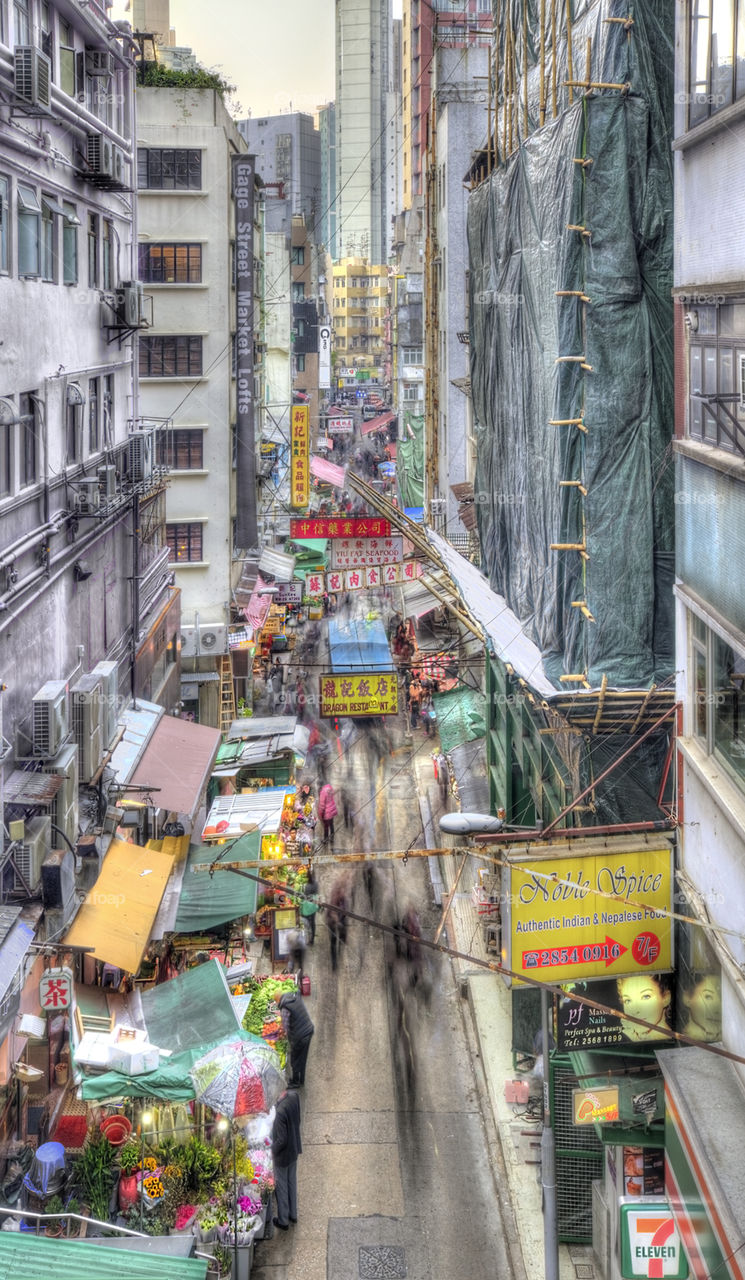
{"x": 397, "y": 1169}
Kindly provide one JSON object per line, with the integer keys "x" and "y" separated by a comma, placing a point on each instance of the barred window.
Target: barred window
{"x": 180, "y": 450}
{"x": 169, "y": 169}
{"x": 171, "y": 263}
{"x": 171, "y": 357}
{"x": 184, "y": 542}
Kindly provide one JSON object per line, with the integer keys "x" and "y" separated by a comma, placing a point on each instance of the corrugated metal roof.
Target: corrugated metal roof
{"x": 27, "y": 1257}
{"x": 277, "y": 564}
{"x": 14, "y": 948}
{"x": 261, "y": 727}
{"x": 262, "y": 809}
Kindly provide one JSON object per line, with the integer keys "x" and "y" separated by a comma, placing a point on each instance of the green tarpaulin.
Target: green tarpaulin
{"x": 410, "y": 460}
{"x": 211, "y": 900}
{"x": 461, "y": 717}
{"x": 171, "y": 1081}
{"x": 27, "y": 1257}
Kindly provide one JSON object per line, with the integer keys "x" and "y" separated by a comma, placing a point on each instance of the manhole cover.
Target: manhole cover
{"x": 382, "y": 1262}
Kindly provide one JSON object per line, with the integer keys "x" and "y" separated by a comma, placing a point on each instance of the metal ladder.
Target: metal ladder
{"x": 228, "y": 711}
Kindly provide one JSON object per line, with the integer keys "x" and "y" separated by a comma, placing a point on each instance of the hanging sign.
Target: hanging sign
{"x": 324, "y": 357}
{"x": 314, "y": 585}
{"x": 56, "y": 990}
{"x": 340, "y": 527}
{"x": 290, "y": 593}
{"x": 650, "y": 1242}
{"x": 589, "y": 1105}
{"x": 372, "y": 694}
{"x": 339, "y": 426}
{"x": 300, "y": 456}
{"x": 354, "y": 553}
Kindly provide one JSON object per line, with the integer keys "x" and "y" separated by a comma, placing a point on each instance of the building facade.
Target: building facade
{"x": 326, "y": 223}
{"x": 288, "y": 160}
{"x": 359, "y": 305}
{"x": 363, "y": 78}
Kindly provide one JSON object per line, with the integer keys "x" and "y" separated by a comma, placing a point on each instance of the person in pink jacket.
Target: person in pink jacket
{"x": 327, "y": 809}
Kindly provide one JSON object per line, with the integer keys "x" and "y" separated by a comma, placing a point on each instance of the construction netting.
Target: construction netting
{"x": 570, "y": 255}
{"x": 410, "y": 460}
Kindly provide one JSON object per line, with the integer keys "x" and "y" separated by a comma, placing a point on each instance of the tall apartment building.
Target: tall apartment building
{"x": 288, "y": 160}
{"x": 363, "y": 70}
{"x": 359, "y": 306}
{"x": 186, "y": 144}
{"x": 705, "y": 1110}
{"x": 326, "y": 222}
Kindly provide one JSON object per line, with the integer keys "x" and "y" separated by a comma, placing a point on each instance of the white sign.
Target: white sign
{"x": 55, "y": 990}
{"x": 355, "y": 553}
{"x": 324, "y": 357}
{"x": 347, "y": 373}
{"x": 339, "y": 426}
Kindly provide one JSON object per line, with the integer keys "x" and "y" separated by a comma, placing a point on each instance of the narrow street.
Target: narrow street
{"x": 396, "y": 1176}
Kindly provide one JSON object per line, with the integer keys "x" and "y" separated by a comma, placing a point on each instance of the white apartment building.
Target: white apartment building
{"x": 363, "y": 57}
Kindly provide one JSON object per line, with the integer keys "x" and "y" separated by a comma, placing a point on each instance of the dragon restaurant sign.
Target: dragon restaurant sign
{"x": 585, "y": 910}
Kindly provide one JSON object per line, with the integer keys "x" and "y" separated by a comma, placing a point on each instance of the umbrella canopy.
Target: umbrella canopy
{"x": 238, "y": 1078}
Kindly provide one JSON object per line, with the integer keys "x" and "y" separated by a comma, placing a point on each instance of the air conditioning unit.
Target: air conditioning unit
{"x": 108, "y": 674}
{"x": 741, "y": 384}
{"x": 65, "y": 811}
{"x": 86, "y": 698}
{"x": 88, "y": 496}
{"x": 33, "y": 77}
{"x": 100, "y": 156}
{"x": 129, "y": 304}
{"x": 140, "y": 457}
{"x": 30, "y": 854}
{"x": 107, "y": 483}
{"x": 118, "y": 160}
{"x": 99, "y": 62}
{"x": 58, "y": 880}
{"x": 50, "y": 723}
{"x": 204, "y": 641}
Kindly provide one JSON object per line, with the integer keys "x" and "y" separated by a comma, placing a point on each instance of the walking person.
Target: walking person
{"x": 299, "y": 1027}
{"x": 297, "y": 944}
{"x": 327, "y": 809}
{"x": 309, "y": 905}
{"x": 286, "y": 1147}
{"x": 415, "y": 699}
{"x": 346, "y": 807}
{"x": 336, "y": 918}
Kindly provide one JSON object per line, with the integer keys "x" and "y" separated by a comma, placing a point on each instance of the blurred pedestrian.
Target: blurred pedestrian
{"x": 327, "y": 809}
{"x": 299, "y": 1027}
{"x": 443, "y": 777}
{"x": 309, "y": 905}
{"x": 336, "y": 917}
{"x": 296, "y": 942}
{"x": 286, "y": 1147}
{"x": 346, "y": 807}
{"x": 415, "y": 700}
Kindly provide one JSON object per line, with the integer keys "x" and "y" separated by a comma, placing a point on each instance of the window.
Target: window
{"x": 411, "y": 391}
{"x": 168, "y": 169}
{"x": 107, "y": 244}
{"x": 94, "y": 442}
{"x": 70, "y": 245}
{"x": 716, "y": 344}
{"x": 4, "y": 226}
{"x": 68, "y": 76}
{"x": 298, "y": 291}
{"x": 108, "y": 411}
{"x": 169, "y": 357}
{"x": 412, "y": 355}
{"x": 46, "y": 35}
{"x": 29, "y": 231}
{"x": 180, "y": 450}
{"x": 718, "y": 689}
{"x": 48, "y": 260}
{"x": 171, "y": 263}
{"x": 297, "y": 257}
{"x": 21, "y": 22}
{"x": 92, "y": 250}
{"x": 29, "y": 436}
{"x": 6, "y": 451}
{"x": 300, "y": 364}
{"x": 184, "y": 542}
{"x": 716, "y": 70}
{"x": 73, "y": 431}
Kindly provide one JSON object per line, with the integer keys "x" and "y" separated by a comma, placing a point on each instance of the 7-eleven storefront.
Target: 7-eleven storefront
{"x": 705, "y": 1160}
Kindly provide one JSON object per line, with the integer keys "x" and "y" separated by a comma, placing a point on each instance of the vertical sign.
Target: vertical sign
{"x": 245, "y": 465}
{"x": 300, "y": 456}
{"x": 324, "y": 357}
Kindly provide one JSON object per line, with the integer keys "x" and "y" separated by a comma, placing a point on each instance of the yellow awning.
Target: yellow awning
{"x": 117, "y": 916}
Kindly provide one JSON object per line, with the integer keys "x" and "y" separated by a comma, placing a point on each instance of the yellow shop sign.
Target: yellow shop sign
{"x": 597, "y": 915}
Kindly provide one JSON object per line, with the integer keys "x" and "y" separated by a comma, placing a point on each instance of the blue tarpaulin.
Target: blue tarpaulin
{"x": 359, "y": 645}
{"x": 415, "y": 513}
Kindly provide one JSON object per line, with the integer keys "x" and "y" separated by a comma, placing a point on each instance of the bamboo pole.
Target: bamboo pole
{"x": 451, "y": 897}
{"x": 554, "y": 92}
{"x": 488, "y": 121}
{"x": 572, "y": 293}
{"x": 570, "y": 63}
{"x": 505, "y": 153}
{"x": 596, "y": 84}
{"x": 573, "y": 484}
{"x": 497, "y": 34}
{"x": 525, "y": 69}
{"x": 588, "y": 60}
{"x": 542, "y": 89}
{"x": 564, "y": 422}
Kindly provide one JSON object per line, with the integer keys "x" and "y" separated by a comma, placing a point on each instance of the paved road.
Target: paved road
{"x": 396, "y": 1177}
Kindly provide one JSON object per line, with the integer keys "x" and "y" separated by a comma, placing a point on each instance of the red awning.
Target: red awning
{"x": 177, "y": 765}
{"x": 375, "y": 424}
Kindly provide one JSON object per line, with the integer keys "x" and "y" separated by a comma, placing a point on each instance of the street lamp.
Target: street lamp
{"x": 224, "y": 1126}
{"x": 485, "y": 824}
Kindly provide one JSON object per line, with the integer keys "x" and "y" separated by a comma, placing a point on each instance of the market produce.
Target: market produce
{"x": 263, "y": 992}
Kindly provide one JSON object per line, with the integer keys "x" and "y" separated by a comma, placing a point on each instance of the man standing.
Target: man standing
{"x": 299, "y": 1027}
{"x": 286, "y": 1147}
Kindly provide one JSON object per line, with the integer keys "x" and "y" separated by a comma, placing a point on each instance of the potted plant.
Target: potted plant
{"x": 129, "y": 1160}
{"x": 94, "y": 1176}
{"x": 223, "y": 1264}
{"x": 54, "y": 1226}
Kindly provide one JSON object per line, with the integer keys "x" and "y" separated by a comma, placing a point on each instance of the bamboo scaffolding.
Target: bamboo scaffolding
{"x": 568, "y": 546}
{"x": 601, "y": 703}
{"x": 554, "y": 87}
{"x": 564, "y": 422}
{"x": 572, "y": 293}
{"x": 578, "y": 679}
{"x": 597, "y": 84}
{"x": 573, "y": 484}
{"x": 588, "y": 59}
{"x": 643, "y": 708}
{"x": 626, "y": 23}
{"x": 570, "y": 63}
{"x": 575, "y": 226}
{"x": 497, "y": 17}
{"x": 569, "y": 359}
{"x": 584, "y": 609}
{"x": 525, "y": 70}
{"x": 542, "y": 88}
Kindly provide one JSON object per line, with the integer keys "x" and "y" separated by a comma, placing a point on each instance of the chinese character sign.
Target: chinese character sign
{"x": 371, "y": 694}
{"x": 300, "y": 457}
{"x": 340, "y": 426}
{"x": 55, "y": 990}
{"x": 314, "y": 584}
{"x": 339, "y": 526}
{"x": 353, "y": 553}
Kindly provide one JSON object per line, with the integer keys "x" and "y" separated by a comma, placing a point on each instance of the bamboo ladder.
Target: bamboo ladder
{"x": 227, "y": 693}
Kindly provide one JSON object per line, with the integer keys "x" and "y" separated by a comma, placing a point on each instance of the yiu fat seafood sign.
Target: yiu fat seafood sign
{"x": 583, "y": 910}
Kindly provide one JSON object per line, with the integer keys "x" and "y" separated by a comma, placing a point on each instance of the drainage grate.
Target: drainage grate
{"x": 584, "y": 1270}
{"x": 382, "y": 1262}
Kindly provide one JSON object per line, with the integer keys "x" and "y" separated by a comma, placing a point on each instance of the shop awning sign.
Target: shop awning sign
{"x": 353, "y": 553}
{"x": 339, "y": 426}
{"x": 371, "y": 694}
{"x": 340, "y": 527}
{"x": 590, "y": 1105}
{"x": 372, "y": 576}
{"x": 650, "y": 1242}
{"x": 300, "y": 456}
{"x": 56, "y": 990}
{"x": 599, "y": 914}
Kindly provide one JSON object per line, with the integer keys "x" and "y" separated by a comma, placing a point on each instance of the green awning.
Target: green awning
{"x": 24, "y": 1256}
{"x": 186, "y": 1011}
{"x": 211, "y": 900}
{"x": 461, "y": 716}
{"x": 171, "y": 1081}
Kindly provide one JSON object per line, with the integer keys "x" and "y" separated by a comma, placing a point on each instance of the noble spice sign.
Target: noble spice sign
{"x": 372, "y": 694}
{"x": 563, "y": 925}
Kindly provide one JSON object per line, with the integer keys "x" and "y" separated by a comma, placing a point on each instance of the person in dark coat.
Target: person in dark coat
{"x": 286, "y": 1147}
{"x": 299, "y": 1027}
{"x": 309, "y": 905}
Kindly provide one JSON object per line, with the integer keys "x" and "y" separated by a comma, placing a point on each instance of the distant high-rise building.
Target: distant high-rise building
{"x": 327, "y": 218}
{"x": 363, "y": 63}
{"x": 288, "y": 151}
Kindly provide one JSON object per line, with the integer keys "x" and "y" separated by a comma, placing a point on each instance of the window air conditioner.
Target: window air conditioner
{"x": 204, "y": 641}
{"x": 86, "y": 699}
{"x": 50, "y": 723}
{"x": 741, "y": 383}
{"x": 140, "y": 457}
{"x": 33, "y": 77}
{"x": 99, "y": 62}
{"x": 117, "y": 166}
{"x": 58, "y": 880}
{"x": 100, "y": 156}
{"x": 65, "y": 810}
{"x": 108, "y": 674}
{"x": 107, "y": 483}
{"x": 29, "y": 855}
{"x": 129, "y": 304}
{"x": 88, "y": 496}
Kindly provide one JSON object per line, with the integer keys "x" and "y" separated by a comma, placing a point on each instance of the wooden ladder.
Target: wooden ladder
{"x": 228, "y": 711}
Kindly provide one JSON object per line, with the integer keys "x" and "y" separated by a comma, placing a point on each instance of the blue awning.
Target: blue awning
{"x": 359, "y": 645}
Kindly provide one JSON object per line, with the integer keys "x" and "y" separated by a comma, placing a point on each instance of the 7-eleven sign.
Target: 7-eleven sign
{"x": 650, "y": 1243}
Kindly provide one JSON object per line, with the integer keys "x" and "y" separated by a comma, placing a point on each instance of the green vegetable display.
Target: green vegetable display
{"x": 266, "y": 991}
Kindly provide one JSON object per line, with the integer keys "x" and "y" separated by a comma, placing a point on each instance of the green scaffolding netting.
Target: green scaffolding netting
{"x": 618, "y": 379}
{"x": 410, "y": 460}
